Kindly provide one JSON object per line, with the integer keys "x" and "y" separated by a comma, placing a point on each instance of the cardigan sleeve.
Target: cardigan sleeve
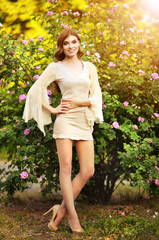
{"x": 94, "y": 113}
{"x": 38, "y": 92}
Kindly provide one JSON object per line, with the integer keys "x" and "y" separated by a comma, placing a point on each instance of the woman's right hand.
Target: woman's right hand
{"x": 61, "y": 108}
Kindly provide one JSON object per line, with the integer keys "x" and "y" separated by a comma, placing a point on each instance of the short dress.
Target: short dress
{"x": 77, "y": 123}
{"x": 73, "y": 124}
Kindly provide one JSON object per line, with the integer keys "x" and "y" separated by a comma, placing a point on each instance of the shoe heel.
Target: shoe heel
{"x": 48, "y": 211}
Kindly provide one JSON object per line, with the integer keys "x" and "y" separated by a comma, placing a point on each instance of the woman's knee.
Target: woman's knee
{"x": 91, "y": 172}
{"x": 65, "y": 168}
{"x": 87, "y": 173}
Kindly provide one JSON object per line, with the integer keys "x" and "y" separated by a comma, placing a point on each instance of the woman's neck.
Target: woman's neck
{"x": 72, "y": 60}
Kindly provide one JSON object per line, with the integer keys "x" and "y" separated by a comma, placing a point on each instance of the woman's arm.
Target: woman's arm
{"x": 37, "y": 97}
{"x": 84, "y": 103}
{"x": 61, "y": 108}
{"x": 73, "y": 103}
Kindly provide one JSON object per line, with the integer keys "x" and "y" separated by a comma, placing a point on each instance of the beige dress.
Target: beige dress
{"x": 74, "y": 124}
{"x": 78, "y": 123}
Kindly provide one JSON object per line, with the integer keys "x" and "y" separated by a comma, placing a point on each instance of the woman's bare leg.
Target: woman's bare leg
{"x": 85, "y": 151}
{"x": 64, "y": 148}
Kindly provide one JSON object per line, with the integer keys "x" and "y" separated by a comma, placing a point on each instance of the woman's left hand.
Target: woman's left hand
{"x": 73, "y": 103}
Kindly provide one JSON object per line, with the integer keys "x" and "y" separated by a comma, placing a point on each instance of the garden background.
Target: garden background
{"x": 121, "y": 38}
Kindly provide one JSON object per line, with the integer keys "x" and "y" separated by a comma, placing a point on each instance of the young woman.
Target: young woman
{"x": 80, "y": 107}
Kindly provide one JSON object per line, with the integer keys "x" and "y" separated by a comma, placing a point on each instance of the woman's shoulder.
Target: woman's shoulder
{"x": 53, "y": 65}
{"x": 90, "y": 65}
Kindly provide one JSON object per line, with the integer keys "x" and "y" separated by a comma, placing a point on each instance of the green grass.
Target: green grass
{"x": 128, "y": 217}
{"x": 23, "y": 219}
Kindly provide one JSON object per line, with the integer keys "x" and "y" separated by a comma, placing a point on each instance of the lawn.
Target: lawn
{"x": 126, "y": 217}
{"x": 23, "y": 219}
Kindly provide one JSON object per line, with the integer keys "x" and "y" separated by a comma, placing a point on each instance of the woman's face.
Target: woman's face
{"x": 70, "y": 46}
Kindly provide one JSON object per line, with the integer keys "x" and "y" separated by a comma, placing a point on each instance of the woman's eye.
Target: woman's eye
{"x": 65, "y": 43}
{"x": 74, "y": 41}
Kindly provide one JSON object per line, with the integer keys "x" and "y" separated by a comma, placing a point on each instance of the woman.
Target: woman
{"x": 80, "y": 107}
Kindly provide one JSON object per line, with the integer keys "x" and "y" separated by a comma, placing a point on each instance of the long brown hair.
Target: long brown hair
{"x": 59, "y": 54}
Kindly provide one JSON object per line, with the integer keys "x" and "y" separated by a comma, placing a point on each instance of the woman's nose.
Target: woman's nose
{"x": 70, "y": 45}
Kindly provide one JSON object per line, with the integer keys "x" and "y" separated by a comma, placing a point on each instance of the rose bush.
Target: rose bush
{"x": 126, "y": 143}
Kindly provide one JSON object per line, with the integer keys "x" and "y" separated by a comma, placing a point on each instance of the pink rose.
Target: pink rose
{"x": 65, "y": 13}
{"x": 49, "y": 92}
{"x": 125, "y": 103}
{"x": 131, "y": 16}
{"x": 22, "y": 97}
{"x": 140, "y": 30}
{"x": 157, "y": 182}
{"x": 26, "y": 131}
{"x": 87, "y": 53}
{"x": 104, "y": 106}
{"x": 155, "y": 76}
{"x": 40, "y": 49}
{"x": 142, "y": 41}
{"x": 40, "y": 38}
{"x": 140, "y": 71}
{"x": 156, "y": 115}
{"x": 113, "y": 10}
{"x": 132, "y": 29}
{"x": 25, "y": 158}
{"x": 31, "y": 39}
{"x": 157, "y": 169}
{"x": 149, "y": 140}
{"x": 43, "y": 187}
{"x": 25, "y": 42}
{"x": 111, "y": 64}
{"x": 122, "y": 43}
{"x": 24, "y": 175}
{"x": 36, "y": 77}
{"x": 49, "y": 13}
{"x": 11, "y": 52}
{"x": 115, "y": 125}
{"x": 125, "y": 52}
{"x": 150, "y": 179}
{"x": 126, "y": 5}
{"x": 63, "y": 25}
{"x": 135, "y": 127}
{"x": 76, "y": 14}
{"x": 140, "y": 119}
{"x": 97, "y": 54}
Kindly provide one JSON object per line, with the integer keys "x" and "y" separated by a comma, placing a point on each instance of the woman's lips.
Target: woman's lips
{"x": 71, "y": 51}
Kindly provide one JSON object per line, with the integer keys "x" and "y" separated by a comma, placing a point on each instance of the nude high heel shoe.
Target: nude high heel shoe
{"x": 54, "y": 210}
{"x": 76, "y": 230}
{"x": 79, "y": 231}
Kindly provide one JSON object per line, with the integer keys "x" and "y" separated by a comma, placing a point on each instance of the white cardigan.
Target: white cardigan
{"x": 38, "y": 92}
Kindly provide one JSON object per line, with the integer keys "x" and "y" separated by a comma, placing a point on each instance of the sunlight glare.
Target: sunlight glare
{"x": 146, "y": 18}
{"x": 152, "y": 5}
